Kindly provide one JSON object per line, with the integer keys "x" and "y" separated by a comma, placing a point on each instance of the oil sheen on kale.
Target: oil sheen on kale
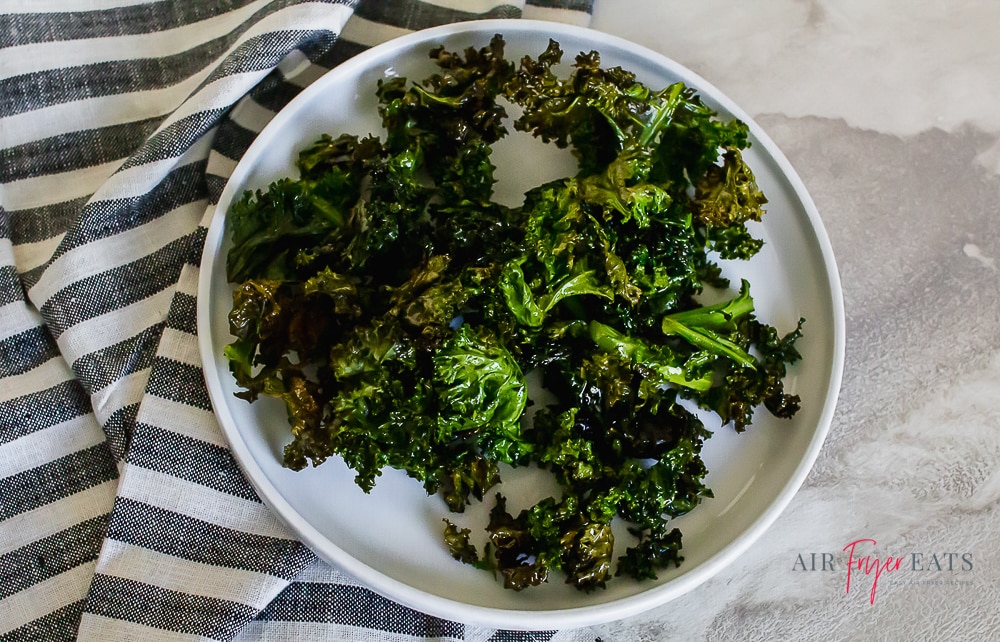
{"x": 396, "y": 308}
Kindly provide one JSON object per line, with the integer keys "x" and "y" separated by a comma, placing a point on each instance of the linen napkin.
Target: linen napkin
{"x": 123, "y": 514}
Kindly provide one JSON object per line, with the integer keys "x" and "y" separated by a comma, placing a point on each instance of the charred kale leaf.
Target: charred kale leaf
{"x": 397, "y": 310}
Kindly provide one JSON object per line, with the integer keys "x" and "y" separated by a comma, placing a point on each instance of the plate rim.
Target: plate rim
{"x": 448, "y": 608}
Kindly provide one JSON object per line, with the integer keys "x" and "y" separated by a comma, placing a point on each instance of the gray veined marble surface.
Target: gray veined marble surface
{"x": 890, "y": 113}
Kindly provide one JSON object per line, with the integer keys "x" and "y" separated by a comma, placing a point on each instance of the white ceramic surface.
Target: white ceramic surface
{"x": 390, "y": 539}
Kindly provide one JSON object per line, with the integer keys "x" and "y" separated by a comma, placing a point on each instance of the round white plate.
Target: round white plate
{"x": 391, "y": 539}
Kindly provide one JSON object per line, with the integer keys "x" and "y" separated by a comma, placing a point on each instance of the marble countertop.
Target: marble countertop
{"x": 889, "y": 112}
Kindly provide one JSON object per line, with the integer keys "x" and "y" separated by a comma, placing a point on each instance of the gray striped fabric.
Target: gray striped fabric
{"x": 122, "y": 512}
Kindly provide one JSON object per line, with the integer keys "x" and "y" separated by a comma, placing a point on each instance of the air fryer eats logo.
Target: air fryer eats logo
{"x": 862, "y": 565}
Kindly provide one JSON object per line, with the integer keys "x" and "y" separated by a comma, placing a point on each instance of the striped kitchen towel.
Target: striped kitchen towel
{"x": 123, "y": 515}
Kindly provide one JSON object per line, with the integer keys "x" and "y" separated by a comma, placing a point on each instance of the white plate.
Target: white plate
{"x": 391, "y": 539}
